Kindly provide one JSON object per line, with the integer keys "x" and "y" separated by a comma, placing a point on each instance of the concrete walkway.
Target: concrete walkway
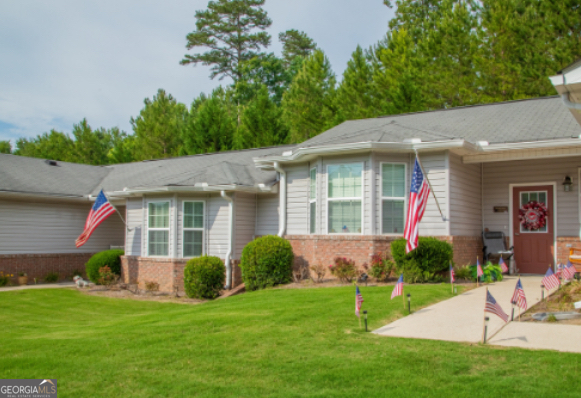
{"x": 461, "y": 319}
{"x": 41, "y": 286}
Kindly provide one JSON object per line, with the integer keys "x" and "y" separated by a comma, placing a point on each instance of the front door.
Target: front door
{"x": 532, "y": 210}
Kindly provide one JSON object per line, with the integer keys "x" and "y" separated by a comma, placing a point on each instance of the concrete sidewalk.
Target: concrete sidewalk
{"x": 41, "y": 286}
{"x": 537, "y": 335}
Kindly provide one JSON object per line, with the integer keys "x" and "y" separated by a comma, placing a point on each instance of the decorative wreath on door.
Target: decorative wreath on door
{"x": 533, "y": 215}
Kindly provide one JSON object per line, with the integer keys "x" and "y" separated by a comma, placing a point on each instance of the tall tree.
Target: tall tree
{"x": 159, "y": 127}
{"x": 264, "y": 70}
{"x": 296, "y": 44}
{"x": 54, "y": 145}
{"x": 5, "y": 147}
{"x": 90, "y": 146}
{"x": 123, "y": 147}
{"x": 308, "y": 105}
{"x": 233, "y": 31}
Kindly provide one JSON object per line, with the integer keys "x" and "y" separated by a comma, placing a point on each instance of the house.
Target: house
{"x": 343, "y": 192}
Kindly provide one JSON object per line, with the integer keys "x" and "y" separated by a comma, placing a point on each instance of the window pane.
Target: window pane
{"x": 193, "y": 215}
{"x": 158, "y": 243}
{"x": 193, "y": 243}
{"x": 393, "y": 180}
{"x": 533, "y": 196}
{"x": 524, "y": 198}
{"x": 393, "y": 216}
{"x": 543, "y": 197}
{"x": 313, "y": 217}
{"x": 345, "y": 216}
{"x": 345, "y": 180}
{"x": 313, "y": 183}
{"x": 159, "y": 215}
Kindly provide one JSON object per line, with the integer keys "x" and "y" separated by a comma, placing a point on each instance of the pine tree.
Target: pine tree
{"x": 264, "y": 70}
{"x": 90, "y": 146}
{"x": 54, "y": 145}
{"x": 5, "y": 147}
{"x": 295, "y": 44}
{"x": 308, "y": 105}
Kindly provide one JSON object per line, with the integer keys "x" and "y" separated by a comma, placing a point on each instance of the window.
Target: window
{"x": 158, "y": 229}
{"x": 313, "y": 201}
{"x": 344, "y": 198}
{"x": 393, "y": 189}
{"x": 537, "y": 196}
{"x": 193, "y": 229}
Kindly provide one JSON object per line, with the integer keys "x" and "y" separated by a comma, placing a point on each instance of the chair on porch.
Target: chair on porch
{"x": 575, "y": 258}
{"x": 494, "y": 244}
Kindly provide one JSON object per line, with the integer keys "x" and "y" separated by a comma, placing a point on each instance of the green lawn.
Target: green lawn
{"x": 282, "y": 343}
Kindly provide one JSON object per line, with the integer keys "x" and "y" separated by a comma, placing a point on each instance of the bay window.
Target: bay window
{"x": 158, "y": 229}
{"x": 193, "y": 229}
{"x": 344, "y": 198}
{"x": 393, "y": 198}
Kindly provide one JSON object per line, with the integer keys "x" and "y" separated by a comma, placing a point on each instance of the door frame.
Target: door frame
{"x": 510, "y": 213}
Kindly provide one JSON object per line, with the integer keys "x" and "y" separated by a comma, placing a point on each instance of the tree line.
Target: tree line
{"x": 436, "y": 54}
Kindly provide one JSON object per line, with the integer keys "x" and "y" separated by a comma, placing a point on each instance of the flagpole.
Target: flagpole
{"x": 477, "y": 273}
{"x": 120, "y": 216}
{"x": 523, "y": 289}
{"x": 430, "y": 185}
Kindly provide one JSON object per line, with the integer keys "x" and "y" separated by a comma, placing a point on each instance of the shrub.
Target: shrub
{"x": 381, "y": 266}
{"x": 4, "y": 278}
{"x": 266, "y": 261}
{"x": 151, "y": 286}
{"x": 464, "y": 272}
{"x": 106, "y": 276}
{"x": 431, "y": 257}
{"x": 320, "y": 271}
{"x": 204, "y": 277}
{"x": 491, "y": 272}
{"x": 344, "y": 269}
{"x": 51, "y": 277}
{"x": 110, "y": 258}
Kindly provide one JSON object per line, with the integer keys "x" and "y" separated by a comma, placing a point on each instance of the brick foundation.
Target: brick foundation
{"x": 168, "y": 272}
{"x": 40, "y": 265}
{"x": 564, "y": 244}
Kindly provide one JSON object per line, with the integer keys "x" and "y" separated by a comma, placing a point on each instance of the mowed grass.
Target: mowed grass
{"x": 272, "y": 343}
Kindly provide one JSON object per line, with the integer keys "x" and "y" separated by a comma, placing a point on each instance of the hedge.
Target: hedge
{"x": 112, "y": 258}
{"x": 204, "y": 277}
{"x": 431, "y": 257}
{"x": 266, "y": 261}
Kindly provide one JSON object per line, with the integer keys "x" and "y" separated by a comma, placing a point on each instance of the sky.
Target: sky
{"x": 65, "y": 60}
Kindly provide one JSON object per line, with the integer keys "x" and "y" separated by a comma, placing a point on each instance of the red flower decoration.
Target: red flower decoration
{"x": 533, "y": 215}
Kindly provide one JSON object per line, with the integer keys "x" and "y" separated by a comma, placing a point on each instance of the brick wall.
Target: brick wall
{"x": 39, "y": 265}
{"x": 564, "y": 244}
{"x": 466, "y": 249}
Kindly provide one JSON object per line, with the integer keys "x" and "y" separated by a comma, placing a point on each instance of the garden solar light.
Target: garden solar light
{"x": 542, "y": 292}
{"x": 365, "y": 313}
{"x": 409, "y": 303}
{"x": 364, "y": 278}
{"x": 486, "y": 320}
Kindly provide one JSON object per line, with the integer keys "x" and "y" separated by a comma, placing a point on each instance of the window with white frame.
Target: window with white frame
{"x": 344, "y": 198}
{"x": 158, "y": 229}
{"x": 193, "y": 229}
{"x": 313, "y": 202}
{"x": 393, "y": 190}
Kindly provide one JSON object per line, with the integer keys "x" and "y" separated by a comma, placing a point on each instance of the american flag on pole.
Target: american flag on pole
{"x": 99, "y": 212}
{"x": 518, "y": 297}
{"x": 569, "y": 271}
{"x": 550, "y": 280}
{"x": 479, "y": 271}
{"x": 398, "y": 289}
{"x": 452, "y": 274}
{"x": 559, "y": 270}
{"x": 494, "y": 308}
{"x": 502, "y": 264}
{"x": 419, "y": 192}
{"x": 358, "y": 300}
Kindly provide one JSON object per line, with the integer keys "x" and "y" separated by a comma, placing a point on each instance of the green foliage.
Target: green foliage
{"x": 431, "y": 255}
{"x": 106, "y": 276}
{"x": 464, "y": 272}
{"x": 263, "y": 70}
{"x": 266, "y": 261}
{"x": 344, "y": 269}
{"x": 381, "y": 266}
{"x": 5, "y": 147}
{"x": 204, "y": 277}
{"x": 51, "y": 277}
{"x": 295, "y": 44}
{"x": 491, "y": 272}
{"x": 4, "y": 278}
{"x": 110, "y": 258}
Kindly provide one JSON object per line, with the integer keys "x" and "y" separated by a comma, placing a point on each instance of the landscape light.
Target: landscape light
{"x": 409, "y": 303}
{"x": 365, "y": 313}
{"x": 486, "y": 320}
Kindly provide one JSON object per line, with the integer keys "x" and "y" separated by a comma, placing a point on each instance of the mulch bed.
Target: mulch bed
{"x": 560, "y": 301}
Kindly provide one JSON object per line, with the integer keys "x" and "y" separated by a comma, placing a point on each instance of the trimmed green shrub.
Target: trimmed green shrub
{"x": 110, "y": 258}
{"x": 425, "y": 263}
{"x": 490, "y": 272}
{"x": 204, "y": 277}
{"x": 266, "y": 261}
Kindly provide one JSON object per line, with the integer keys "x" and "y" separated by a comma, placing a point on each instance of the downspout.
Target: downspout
{"x": 282, "y": 199}
{"x": 227, "y": 259}
{"x": 569, "y": 104}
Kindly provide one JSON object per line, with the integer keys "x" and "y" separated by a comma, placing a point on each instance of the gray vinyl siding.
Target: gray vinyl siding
{"x": 465, "y": 197}
{"x": 134, "y": 216}
{"x": 498, "y": 176}
{"x": 297, "y": 199}
{"x": 217, "y": 211}
{"x": 435, "y": 166}
{"x": 41, "y": 228}
{"x": 245, "y": 222}
{"x": 267, "y": 215}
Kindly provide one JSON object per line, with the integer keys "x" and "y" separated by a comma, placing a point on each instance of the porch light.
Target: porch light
{"x": 567, "y": 184}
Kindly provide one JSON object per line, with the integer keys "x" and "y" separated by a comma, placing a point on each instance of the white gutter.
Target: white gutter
{"x": 137, "y": 191}
{"x": 228, "y": 257}
{"x": 569, "y": 104}
{"x": 282, "y": 199}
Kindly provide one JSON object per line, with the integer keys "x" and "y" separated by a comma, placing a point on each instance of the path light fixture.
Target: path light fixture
{"x": 455, "y": 290}
{"x": 363, "y": 278}
{"x": 486, "y": 320}
{"x": 365, "y": 313}
{"x": 512, "y": 316}
{"x": 542, "y": 292}
{"x": 409, "y": 303}
{"x": 567, "y": 184}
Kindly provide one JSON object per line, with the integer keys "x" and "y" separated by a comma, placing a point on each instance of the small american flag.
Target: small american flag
{"x": 569, "y": 271}
{"x": 502, "y": 264}
{"x": 559, "y": 270}
{"x": 550, "y": 280}
{"x": 452, "y": 274}
{"x": 358, "y": 300}
{"x": 398, "y": 289}
{"x": 494, "y": 308}
{"x": 419, "y": 192}
{"x": 518, "y": 297}
{"x": 99, "y": 212}
{"x": 479, "y": 271}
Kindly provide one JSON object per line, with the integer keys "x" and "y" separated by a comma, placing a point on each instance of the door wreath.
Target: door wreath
{"x": 533, "y": 215}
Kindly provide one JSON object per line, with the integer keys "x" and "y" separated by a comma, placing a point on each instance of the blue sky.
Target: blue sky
{"x": 64, "y": 60}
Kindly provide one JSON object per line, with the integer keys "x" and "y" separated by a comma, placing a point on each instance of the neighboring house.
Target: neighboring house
{"x": 342, "y": 193}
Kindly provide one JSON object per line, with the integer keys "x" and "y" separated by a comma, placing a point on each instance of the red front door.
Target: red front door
{"x": 533, "y": 241}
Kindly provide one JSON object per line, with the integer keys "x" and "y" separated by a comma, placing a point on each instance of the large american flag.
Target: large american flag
{"x": 502, "y": 264}
{"x": 550, "y": 280}
{"x": 99, "y": 212}
{"x": 494, "y": 308}
{"x": 569, "y": 271}
{"x": 419, "y": 192}
{"x": 358, "y": 300}
{"x": 398, "y": 289}
{"x": 518, "y": 297}
{"x": 452, "y": 274}
{"x": 479, "y": 271}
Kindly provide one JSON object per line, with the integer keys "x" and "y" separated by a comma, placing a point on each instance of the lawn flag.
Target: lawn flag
{"x": 559, "y": 270}
{"x": 518, "y": 297}
{"x": 479, "y": 271}
{"x": 503, "y": 266}
{"x": 358, "y": 300}
{"x": 550, "y": 280}
{"x": 419, "y": 192}
{"x": 398, "y": 289}
{"x": 569, "y": 271}
{"x": 99, "y": 212}
{"x": 494, "y": 308}
{"x": 452, "y": 274}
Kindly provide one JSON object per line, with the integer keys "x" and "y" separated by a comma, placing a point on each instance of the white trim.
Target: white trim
{"x": 382, "y": 198}
{"x": 361, "y": 198}
{"x": 510, "y": 213}
{"x": 203, "y": 228}
{"x": 311, "y": 200}
{"x": 168, "y": 229}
